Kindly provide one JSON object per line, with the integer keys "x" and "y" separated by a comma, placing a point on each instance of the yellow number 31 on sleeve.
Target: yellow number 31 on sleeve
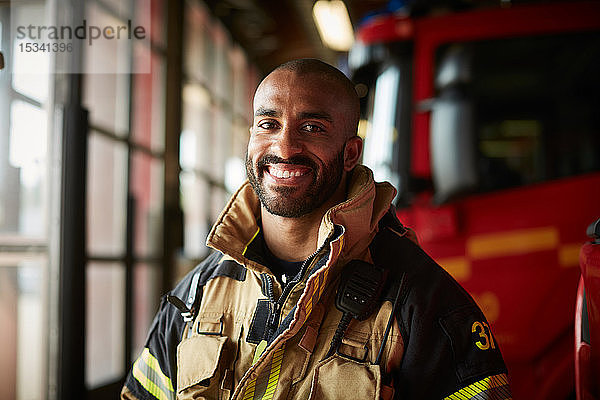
{"x": 486, "y": 340}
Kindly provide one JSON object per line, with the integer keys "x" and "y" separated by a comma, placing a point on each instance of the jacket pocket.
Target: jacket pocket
{"x": 197, "y": 367}
{"x": 341, "y": 378}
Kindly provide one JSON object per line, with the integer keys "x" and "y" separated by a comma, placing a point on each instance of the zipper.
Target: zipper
{"x": 274, "y": 317}
{"x": 268, "y": 282}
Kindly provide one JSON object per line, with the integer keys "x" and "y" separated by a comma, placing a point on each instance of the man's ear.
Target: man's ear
{"x": 352, "y": 152}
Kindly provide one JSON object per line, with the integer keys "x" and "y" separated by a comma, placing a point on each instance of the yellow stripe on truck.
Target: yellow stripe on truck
{"x": 568, "y": 255}
{"x": 512, "y": 243}
{"x": 458, "y": 267}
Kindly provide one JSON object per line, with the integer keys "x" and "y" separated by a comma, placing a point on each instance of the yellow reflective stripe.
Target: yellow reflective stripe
{"x": 491, "y": 383}
{"x": 272, "y": 381}
{"x": 308, "y": 308}
{"x": 250, "y": 241}
{"x": 274, "y": 374}
{"x": 249, "y": 393}
{"x": 321, "y": 287}
{"x": 260, "y": 349}
{"x": 325, "y": 275}
{"x": 316, "y": 293}
{"x": 147, "y": 383}
{"x": 310, "y": 298}
{"x": 341, "y": 245}
{"x": 147, "y": 372}
{"x": 152, "y": 362}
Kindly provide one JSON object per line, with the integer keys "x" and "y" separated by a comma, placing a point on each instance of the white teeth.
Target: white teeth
{"x": 285, "y": 174}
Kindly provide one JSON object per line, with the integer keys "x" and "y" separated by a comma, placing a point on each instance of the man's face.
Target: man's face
{"x": 296, "y": 158}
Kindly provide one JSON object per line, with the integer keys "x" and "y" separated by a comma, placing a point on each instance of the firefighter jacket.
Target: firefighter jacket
{"x": 249, "y": 338}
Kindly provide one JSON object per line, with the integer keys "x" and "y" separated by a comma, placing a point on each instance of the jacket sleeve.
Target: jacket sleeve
{"x": 449, "y": 350}
{"x": 154, "y": 374}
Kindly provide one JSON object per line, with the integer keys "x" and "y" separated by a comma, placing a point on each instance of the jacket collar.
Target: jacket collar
{"x": 366, "y": 203}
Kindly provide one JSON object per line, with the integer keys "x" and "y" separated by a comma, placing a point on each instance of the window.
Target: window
{"x": 25, "y": 211}
{"x": 385, "y": 121}
{"x": 123, "y": 87}
{"x": 217, "y": 89}
{"x": 535, "y": 104}
{"x": 125, "y": 184}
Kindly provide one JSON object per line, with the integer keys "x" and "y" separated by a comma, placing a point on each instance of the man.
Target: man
{"x": 271, "y": 315}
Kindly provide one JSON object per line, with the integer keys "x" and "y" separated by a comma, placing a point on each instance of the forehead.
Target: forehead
{"x": 288, "y": 91}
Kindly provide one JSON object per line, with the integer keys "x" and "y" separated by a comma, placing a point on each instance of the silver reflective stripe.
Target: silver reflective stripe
{"x": 147, "y": 372}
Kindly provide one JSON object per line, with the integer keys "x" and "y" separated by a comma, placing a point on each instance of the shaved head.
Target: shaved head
{"x": 330, "y": 76}
{"x": 303, "y": 139}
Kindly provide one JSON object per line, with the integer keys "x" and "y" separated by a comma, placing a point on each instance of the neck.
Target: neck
{"x": 290, "y": 239}
{"x": 295, "y": 239}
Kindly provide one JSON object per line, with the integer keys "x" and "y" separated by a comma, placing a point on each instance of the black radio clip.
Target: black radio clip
{"x": 358, "y": 294}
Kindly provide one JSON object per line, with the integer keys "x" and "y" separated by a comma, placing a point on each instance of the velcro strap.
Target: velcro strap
{"x": 309, "y": 339}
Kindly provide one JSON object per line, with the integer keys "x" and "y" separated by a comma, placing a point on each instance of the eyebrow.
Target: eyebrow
{"x": 269, "y": 112}
{"x": 266, "y": 112}
{"x": 316, "y": 115}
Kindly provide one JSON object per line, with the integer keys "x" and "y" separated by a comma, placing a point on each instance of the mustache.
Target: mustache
{"x": 296, "y": 160}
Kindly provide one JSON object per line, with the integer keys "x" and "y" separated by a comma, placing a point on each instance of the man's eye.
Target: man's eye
{"x": 266, "y": 125}
{"x": 312, "y": 128}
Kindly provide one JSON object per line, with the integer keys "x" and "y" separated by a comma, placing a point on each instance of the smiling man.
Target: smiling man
{"x": 315, "y": 290}
{"x": 303, "y": 143}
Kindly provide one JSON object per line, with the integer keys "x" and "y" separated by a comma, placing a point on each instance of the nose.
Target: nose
{"x": 287, "y": 143}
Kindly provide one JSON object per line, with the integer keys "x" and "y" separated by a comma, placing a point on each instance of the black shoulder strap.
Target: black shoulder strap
{"x": 189, "y": 296}
{"x": 393, "y": 249}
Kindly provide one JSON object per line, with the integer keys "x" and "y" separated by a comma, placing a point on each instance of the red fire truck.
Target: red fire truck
{"x": 488, "y": 122}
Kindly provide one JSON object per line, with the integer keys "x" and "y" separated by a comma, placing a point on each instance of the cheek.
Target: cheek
{"x": 258, "y": 146}
{"x": 254, "y": 150}
{"x": 326, "y": 152}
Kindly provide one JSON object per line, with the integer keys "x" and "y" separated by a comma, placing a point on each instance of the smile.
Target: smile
{"x": 286, "y": 171}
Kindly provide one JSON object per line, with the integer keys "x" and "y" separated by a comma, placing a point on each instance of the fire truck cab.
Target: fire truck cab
{"x": 488, "y": 123}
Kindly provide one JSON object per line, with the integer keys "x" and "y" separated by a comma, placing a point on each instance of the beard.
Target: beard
{"x": 288, "y": 201}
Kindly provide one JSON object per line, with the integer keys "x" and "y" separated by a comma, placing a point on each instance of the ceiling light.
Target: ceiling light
{"x": 333, "y": 24}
